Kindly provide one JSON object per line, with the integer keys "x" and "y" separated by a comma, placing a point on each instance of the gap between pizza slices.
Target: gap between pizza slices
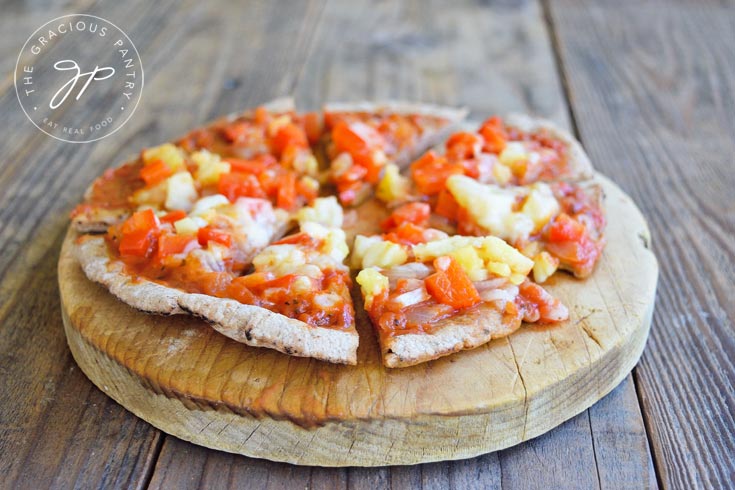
{"x": 242, "y": 223}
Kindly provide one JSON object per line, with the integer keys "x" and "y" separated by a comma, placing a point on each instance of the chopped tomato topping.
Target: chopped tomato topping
{"x": 173, "y": 216}
{"x": 208, "y": 234}
{"x": 297, "y": 239}
{"x": 446, "y": 205}
{"x": 431, "y": 171}
{"x": 286, "y": 197}
{"x": 463, "y": 145}
{"x": 254, "y": 165}
{"x": 141, "y": 220}
{"x": 414, "y": 212}
{"x": 155, "y": 172}
{"x": 407, "y": 233}
{"x": 356, "y": 137}
{"x": 313, "y": 127}
{"x": 308, "y": 191}
{"x": 261, "y": 115}
{"x": 450, "y": 284}
{"x": 288, "y": 135}
{"x": 171, "y": 244}
{"x": 238, "y": 184}
{"x": 494, "y": 134}
{"x": 564, "y": 228}
{"x": 139, "y": 243}
{"x": 236, "y": 131}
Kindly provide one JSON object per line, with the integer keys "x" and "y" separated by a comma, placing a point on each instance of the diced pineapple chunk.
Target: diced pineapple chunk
{"x": 491, "y": 207}
{"x": 393, "y": 186}
{"x": 186, "y": 226}
{"x": 279, "y": 259}
{"x": 540, "y": 205}
{"x": 205, "y": 204}
{"x": 334, "y": 242}
{"x": 325, "y": 210}
{"x": 305, "y": 163}
{"x": 496, "y": 250}
{"x": 180, "y": 191}
{"x": 209, "y": 167}
{"x": 277, "y": 123}
{"x": 372, "y": 283}
{"x": 468, "y": 258}
{"x": 170, "y": 154}
{"x": 514, "y": 156}
{"x": 376, "y": 252}
{"x": 497, "y": 257}
{"x": 499, "y": 269}
{"x": 544, "y": 265}
{"x": 502, "y": 174}
{"x": 150, "y": 196}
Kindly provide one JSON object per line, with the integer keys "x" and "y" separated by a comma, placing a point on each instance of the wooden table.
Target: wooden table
{"x": 650, "y": 91}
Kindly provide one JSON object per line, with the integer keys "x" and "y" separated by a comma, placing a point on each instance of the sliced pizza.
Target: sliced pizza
{"x": 294, "y": 298}
{"x": 433, "y": 299}
{"x": 363, "y": 139}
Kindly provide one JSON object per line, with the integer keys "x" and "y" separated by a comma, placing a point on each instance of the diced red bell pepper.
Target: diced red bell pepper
{"x": 208, "y": 234}
{"x": 431, "y": 171}
{"x": 313, "y": 127}
{"x": 173, "y": 216}
{"x": 139, "y": 243}
{"x": 141, "y": 220}
{"x": 450, "y": 284}
{"x": 286, "y": 197}
{"x": 407, "y": 234}
{"x": 463, "y": 145}
{"x": 255, "y": 165}
{"x": 288, "y": 135}
{"x": 172, "y": 244}
{"x": 416, "y": 213}
{"x": 236, "y": 131}
{"x": 239, "y": 184}
{"x": 356, "y": 137}
{"x": 155, "y": 172}
{"x": 564, "y": 228}
{"x": 446, "y": 205}
{"x": 493, "y": 132}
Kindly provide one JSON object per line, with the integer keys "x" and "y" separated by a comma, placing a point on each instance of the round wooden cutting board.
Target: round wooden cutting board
{"x": 188, "y": 380}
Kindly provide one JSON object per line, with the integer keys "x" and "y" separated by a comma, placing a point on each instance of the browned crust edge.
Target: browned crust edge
{"x": 580, "y": 165}
{"x": 454, "y": 115}
{"x": 463, "y": 332}
{"x": 248, "y": 324}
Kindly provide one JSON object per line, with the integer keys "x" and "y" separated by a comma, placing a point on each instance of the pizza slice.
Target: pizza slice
{"x": 433, "y": 299}
{"x": 361, "y": 140}
{"x": 293, "y": 298}
{"x": 263, "y": 153}
{"x": 559, "y": 224}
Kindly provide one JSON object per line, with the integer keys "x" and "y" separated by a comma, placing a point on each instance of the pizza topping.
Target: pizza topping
{"x": 393, "y": 186}
{"x": 497, "y": 209}
{"x": 375, "y": 252}
{"x": 450, "y": 284}
{"x": 373, "y": 284}
{"x": 180, "y": 192}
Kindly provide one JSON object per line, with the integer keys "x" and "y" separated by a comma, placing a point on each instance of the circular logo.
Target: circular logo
{"x": 79, "y": 78}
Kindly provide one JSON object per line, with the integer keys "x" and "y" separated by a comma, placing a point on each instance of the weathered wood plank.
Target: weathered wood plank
{"x": 653, "y": 90}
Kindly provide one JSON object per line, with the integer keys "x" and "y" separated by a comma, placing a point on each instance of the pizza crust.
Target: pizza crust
{"x": 580, "y": 165}
{"x": 455, "y": 334}
{"x": 248, "y": 324}
{"x": 453, "y": 115}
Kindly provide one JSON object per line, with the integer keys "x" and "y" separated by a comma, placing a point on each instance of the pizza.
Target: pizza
{"x": 251, "y": 223}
